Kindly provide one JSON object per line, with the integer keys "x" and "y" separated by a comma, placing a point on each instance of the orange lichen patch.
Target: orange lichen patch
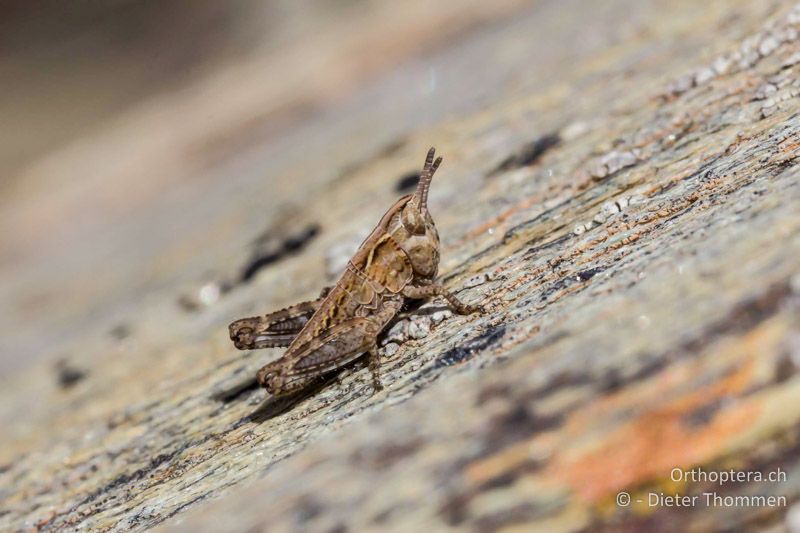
{"x": 650, "y": 446}
{"x": 789, "y": 145}
{"x": 659, "y": 439}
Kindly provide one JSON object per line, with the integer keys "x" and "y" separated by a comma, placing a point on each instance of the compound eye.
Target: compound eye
{"x": 413, "y": 220}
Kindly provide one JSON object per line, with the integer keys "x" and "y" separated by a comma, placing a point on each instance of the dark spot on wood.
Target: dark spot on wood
{"x": 455, "y": 510}
{"x": 383, "y": 516}
{"x": 557, "y": 285}
{"x": 493, "y": 391}
{"x": 515, "y": 515}
{"x": 296, "y": 242}
{"x": 383, "y": 457}
{"x": 269, "y": 250}
{"x": 120, "y": 332}
{"x": 785, "y": 368}
{"x": 587, "y": 274}
{"x": 338, "y": 528}
{"x": 614, "y": 379}
{"x": 187, "y": 303}
{"x": 502, "y": 480}
{"x": 308, "y": 508}
{"x": 68, "y": 375}
{"x": 561, "y": 380}
{"x": 528, "y": 154}
{"x": 519, "y": 423}
{"x": 704, "y": 414}
{"x": 407, "y": 182}
{"x": 611, "y": 381}
{"x": 468, "y": 349}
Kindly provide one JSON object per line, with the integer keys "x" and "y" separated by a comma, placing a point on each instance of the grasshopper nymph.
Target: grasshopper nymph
{"x": 397, "y": 261}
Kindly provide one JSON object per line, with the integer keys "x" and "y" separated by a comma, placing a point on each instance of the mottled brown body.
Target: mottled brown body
{"x": 398, "y": 260}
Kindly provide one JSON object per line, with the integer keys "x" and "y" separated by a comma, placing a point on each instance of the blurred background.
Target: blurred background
{"x": 138, "y": 138}
{"x": 618, "y": 185}
{"x": 118, "y": 115}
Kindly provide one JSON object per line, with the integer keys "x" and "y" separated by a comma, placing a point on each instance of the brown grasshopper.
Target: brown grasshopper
{"x": 397, "y": 261}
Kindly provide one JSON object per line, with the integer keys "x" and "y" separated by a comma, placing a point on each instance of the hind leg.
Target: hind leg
{"x": 274, "y": 330}
{"x": 303, "y": 363}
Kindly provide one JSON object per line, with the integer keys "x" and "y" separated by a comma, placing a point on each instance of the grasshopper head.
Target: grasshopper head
{"x": 415, "y": 216}
{"x": 421, "y": 241}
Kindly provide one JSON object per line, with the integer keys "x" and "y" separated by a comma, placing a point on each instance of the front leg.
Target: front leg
{"x": 436, "y": 289}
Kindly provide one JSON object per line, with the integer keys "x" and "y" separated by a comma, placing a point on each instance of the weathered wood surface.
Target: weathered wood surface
{"x": 634, "y": 226}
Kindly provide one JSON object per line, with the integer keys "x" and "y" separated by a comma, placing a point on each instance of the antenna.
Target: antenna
{"x": 425, "y": 177}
